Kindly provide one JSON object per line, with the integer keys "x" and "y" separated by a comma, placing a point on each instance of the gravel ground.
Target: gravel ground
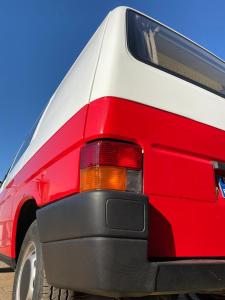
{"x": 6, "y": 282}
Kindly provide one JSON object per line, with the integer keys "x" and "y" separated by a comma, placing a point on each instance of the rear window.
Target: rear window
{"x": 154, "y": 44}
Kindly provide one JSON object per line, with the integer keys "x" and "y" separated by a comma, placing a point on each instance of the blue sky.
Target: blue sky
{"x": 40, "y": 39}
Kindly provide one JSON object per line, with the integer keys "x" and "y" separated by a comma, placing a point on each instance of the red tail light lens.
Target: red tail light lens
{"x": 111, "y": 165}
{"x": 110, "y": 153}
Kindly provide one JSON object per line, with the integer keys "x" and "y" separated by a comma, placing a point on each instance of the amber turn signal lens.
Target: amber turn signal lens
{"x": 103, "y": 178}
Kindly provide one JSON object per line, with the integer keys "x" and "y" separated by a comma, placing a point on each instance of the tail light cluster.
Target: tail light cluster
{"x": 111, "y": 165}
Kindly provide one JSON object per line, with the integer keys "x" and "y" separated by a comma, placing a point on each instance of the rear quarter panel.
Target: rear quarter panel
{"x": 186, "y": 216}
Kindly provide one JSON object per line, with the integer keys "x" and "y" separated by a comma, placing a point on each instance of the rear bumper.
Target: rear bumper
{"x": 96, "y": 242}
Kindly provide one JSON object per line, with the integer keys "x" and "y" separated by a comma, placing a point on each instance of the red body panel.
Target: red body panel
{"x": 187, "y": 217}
{"x": 52, "y": 173}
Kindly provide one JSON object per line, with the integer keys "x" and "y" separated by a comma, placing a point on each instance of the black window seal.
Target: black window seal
{"x": 165, "y": 69}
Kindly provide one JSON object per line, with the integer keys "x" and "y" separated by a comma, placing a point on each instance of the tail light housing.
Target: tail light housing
{"x": 111, "y": 165}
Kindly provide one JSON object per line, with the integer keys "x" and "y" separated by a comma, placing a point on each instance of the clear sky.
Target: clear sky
{"x": 40, "y": 39}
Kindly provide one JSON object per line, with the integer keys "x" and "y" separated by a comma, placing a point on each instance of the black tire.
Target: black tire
{"x": 25, "y": 269}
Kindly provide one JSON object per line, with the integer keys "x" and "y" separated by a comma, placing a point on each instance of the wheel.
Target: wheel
{"x": 30, "y": 282}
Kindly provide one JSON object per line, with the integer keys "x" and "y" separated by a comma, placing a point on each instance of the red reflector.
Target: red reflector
{"x": 111, "y": 153}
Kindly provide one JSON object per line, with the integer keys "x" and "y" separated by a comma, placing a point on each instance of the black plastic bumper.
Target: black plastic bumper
{"x": 96, "y": 242}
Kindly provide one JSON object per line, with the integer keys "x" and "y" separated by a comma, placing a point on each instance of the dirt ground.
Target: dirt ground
{"x": 6, "y": 282}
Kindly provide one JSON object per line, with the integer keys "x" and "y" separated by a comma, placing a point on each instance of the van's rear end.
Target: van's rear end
{"x": 150, "y": 215}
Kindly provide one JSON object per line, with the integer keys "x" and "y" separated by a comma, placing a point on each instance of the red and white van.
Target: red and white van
{"x": 119, "y": 190}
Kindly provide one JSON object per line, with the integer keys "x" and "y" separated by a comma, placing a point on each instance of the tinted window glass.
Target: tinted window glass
{"x": 155, "y": 44}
